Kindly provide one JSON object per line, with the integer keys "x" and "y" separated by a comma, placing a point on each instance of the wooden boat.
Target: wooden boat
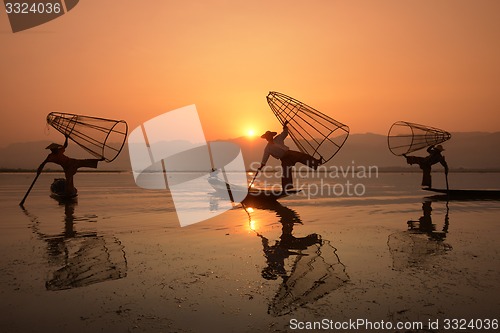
{"x": 252, "y": 194}
{"x": 467, "y": 194}
{"x": 58, "y": 191}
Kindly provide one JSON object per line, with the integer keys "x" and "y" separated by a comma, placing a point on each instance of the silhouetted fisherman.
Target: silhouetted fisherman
{"x": 276, "y": 147}
{"x": 69, "y": 165}
{"x": 427, "y": 162}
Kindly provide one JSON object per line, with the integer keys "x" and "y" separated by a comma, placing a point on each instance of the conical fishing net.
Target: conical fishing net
{"x": 313, "y": 132}
{"x": 103, "y": 138}
{"x": 405, "y": 137}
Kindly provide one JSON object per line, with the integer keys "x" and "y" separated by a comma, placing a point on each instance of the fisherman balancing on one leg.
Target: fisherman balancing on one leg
{"x": 69, "y": 165}
{"x": 427, "y": 162}
{"x": 276, "y": 147}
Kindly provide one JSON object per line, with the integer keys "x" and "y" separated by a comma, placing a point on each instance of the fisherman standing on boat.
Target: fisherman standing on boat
{"x": 427, "y": 162}
{"x": 276, "y": 147}
{"x": 69, "y": 165}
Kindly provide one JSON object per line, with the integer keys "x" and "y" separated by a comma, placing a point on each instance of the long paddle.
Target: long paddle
{"x": 251, "y": 183}
{"x": 447, "y": 187}
{"x": 29, "y": 190}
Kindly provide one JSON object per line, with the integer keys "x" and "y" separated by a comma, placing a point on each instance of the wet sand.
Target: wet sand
{"x": 117, "y": 261}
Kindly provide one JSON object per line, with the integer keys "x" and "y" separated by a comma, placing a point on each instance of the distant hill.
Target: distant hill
{"x": 469, "y": 150}
{"x": 29, "y": 155}
{"x": 463, "y": 151}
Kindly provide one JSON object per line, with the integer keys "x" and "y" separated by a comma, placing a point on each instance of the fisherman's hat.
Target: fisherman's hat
{"x": 54, "y": 146}
{"x": 268, "y": 135}
{"x": 440, "y": 148}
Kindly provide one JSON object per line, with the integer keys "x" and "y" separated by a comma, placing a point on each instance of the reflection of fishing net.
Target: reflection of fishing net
{"x": 404, "y": 137}
{"x": 313, "y": 132}
{"x": 95, "y": 260}
{"x": 315, "y": 273}
{"x": 100, "y": 137}
{"x": 409, "y": 249}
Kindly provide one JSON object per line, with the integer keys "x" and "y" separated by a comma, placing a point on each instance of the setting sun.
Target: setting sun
{"x": 251, "y": 133}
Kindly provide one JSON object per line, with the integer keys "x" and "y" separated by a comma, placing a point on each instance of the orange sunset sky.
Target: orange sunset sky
{"x": 364, "y": 63}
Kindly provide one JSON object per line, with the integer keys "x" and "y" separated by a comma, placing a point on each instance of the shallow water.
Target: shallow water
{"x": 117, "y": 259}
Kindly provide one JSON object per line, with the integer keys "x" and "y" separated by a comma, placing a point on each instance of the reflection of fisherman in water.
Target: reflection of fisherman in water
{"x": 83, "y": 258}
{"x": 69, "y": 165}
{"x": 57, "y": 244}
{"x": 315, "y": 272}
{"x": 277, "y": 253}
{"x": 420, "y": 242}
{"x": 427, "y": 162}
{"x": 425, "y": 225}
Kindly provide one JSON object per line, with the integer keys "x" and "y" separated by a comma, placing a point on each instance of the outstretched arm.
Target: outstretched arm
{"x": 66, "y": 142}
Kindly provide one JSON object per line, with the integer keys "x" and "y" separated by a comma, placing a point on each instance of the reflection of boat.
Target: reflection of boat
{"x": 58, "y": 190}
{"x": 268, "y": 194}
{"x": 467, "y": 194}
{"x": 252, "y": 194}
